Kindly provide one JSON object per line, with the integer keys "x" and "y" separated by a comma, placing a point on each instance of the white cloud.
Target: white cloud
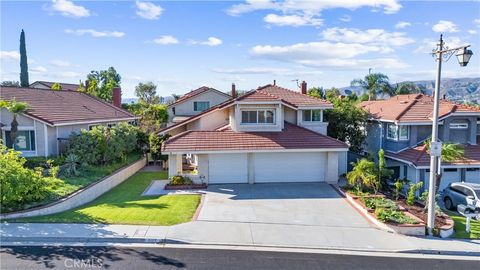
{"x": 311, "y": 7}
{"x": 38, "y": 69}
{"x": 477, "y": 22}
{"x": 166, "y": 40}
{"x": 401, "y": 25}
{"x": 69, "y": 9}
{"x": 10, "y": 55}
{"x": 251, "y": 70}
{"x": 445, "y": 27}
{"x": 292, "y": 20}
{"x": 60, "y": 63}
{"x": 345, "y": 18}
{"x": 211, "y": 41}
{"x": 371, "y": 36}
{"x": 472, "y": 31}
{"x": 327, "y": 54}
{"x": 148, "y": 10}
{"x": 95, "y": 33}
{"x": 428, "y": 45}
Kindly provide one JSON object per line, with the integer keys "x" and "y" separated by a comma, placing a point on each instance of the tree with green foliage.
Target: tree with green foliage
{"x": 382, "y": 171}
{"x": 101, "y": 83}
{"x": 147, "y": 93}
{"x": 347, "y": 123}
{"x": 363, "y": 175}
{"x": 155, "y": 142}
{"x": 10, "y": 84}
{"x": 407, "y": 88}
{"x": 374, "y": 84}
{"x": 15, "y": 108}
{"x": 332, "y": 94}
{"x": 316, "y": 92}
{"x": 412, "y": 190}
{"x": 23, "y": 61}
{"x": 56, "y": 86}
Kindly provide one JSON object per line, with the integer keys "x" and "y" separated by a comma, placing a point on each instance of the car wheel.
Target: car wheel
{"x": 448, "y": 203}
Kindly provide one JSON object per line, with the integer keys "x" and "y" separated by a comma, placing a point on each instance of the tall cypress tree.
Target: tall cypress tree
{"x": 23, "y": 62}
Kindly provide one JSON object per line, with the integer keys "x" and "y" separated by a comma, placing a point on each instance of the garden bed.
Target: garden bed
{"x": 184, "y": 187}
{"x": 412, "y": 218}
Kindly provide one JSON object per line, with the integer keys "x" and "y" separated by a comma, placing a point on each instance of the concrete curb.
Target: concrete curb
{"x": 12, "y": 241}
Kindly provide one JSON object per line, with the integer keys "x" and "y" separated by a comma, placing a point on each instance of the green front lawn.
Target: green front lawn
{"x": 460, "y": 225}
{"x": 125, "y": 205}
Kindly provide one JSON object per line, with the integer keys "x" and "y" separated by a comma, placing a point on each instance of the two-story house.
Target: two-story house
{"x": 270, "y": 134}
{"x": 400, "y": 125}
{"x": 195, "y": 102}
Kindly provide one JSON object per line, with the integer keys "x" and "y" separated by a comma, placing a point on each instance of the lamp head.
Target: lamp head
{"x": 463, "y": 56}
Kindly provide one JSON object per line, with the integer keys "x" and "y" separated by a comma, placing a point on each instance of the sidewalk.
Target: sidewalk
{"x": 238, "y": 234}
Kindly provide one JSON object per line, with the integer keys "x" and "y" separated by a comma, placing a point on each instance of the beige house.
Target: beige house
{"x": 195, "y": 102}
{"x": 53, "y": 115}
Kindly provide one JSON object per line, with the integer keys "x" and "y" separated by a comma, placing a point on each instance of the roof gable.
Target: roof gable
{"x": 295, "y": 98}
{"x": 61, "y": 107}
{"x": 197, "y": 92}
{"x": 65, "y": 86}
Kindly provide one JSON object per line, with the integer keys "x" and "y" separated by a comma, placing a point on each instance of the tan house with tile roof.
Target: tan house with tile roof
{"x": 195, "y": 102}
{"x": 53, "y": 115}
{"x": 401, "y": 124}
{"x": 270, "y": 134}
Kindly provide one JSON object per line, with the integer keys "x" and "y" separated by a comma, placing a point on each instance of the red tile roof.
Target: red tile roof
{"x": 65, "y": 86}
{"x": 419, "y": 156}
{"x": 292, "y": 137}
{"x": 295, "y": 98}
{"x": 194, "y": 93}
{"x": 412, "y": 108}
{"x": 57, "y": 107}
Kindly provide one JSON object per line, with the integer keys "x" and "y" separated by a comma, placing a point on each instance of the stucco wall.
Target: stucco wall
{"x": 320, "y": 127}
{"x": 186, "y": 107}
{"x": 290, "y": 115}
{"x": 82, "y": 196}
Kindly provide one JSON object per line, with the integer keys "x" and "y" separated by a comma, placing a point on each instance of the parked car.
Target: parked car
{"x": 461, "y": 193}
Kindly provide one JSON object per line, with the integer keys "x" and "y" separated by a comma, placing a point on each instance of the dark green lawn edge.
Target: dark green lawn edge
{"x": 66, "y": 197}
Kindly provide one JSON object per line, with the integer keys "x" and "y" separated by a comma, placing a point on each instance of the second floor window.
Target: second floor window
{"x": 312, "y": 115}
{"x": 396, "y": 133}
{"x": 258, "y": 117}
{"x": 200, "y": 106}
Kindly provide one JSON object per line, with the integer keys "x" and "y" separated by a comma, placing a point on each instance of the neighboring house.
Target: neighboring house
{"x": 270, "y": 134}
{"x": 401, "y": 124}
{"x": 48, "y": 85}
{"x": 195, "y": 102}
{"x": 53, "y": 115}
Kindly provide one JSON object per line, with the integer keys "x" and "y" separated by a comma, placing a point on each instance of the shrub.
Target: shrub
{"x": 390, "y": 215}
{"x": 180, "y": 180}
{"x": 375, "y": 203}
{"x": 20, "y": 185}
{"x": 411, "y": 193}
{"x": 103, "y": 145}
{"x": 362, "y": 175}
{"x": 399, "y": 184}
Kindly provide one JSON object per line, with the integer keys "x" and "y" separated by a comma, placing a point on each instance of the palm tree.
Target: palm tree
{"x": 374, "y": 83}
{"x": 363, "y": 173}
{"x": 15, "y": 108}
{"x": 407, "y": 88}
{"x": 450, "y": 152}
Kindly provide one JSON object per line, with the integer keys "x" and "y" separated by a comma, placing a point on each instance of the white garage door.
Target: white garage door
{"x": 289, "y": 167}
{"x": 472, "y": 175}
{"x": 448, "y": 176}
{"x": 227, "y": 168}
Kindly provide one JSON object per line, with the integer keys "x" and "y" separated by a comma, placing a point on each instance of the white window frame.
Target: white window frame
{"x": 208, "y": 103}
{"x": 458, "y": 125}
{"x": 397, "y": 132}
{"x": 257, "y": 112}
{"x": 311, "y": 115}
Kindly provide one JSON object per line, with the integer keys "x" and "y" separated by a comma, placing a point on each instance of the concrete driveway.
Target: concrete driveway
{"x": 313, "y": 204}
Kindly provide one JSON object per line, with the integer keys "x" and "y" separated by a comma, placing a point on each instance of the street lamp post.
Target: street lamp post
{"x": 442, "y": 54}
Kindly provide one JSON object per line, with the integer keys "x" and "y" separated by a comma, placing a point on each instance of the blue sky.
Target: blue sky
{"x": 184, "y": 45}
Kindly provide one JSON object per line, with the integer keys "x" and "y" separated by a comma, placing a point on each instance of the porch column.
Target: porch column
{"x": 331, "y": 175}
{"x": 174, "y": 164}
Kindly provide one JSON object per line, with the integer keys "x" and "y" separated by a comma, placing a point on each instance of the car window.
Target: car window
{"x": 468, "y": 192}
{"x": 458, "y": 189}
{"x": 477, "y": 191}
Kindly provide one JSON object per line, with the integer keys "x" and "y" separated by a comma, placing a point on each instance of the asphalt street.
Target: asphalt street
{"x": 55, "y": 257}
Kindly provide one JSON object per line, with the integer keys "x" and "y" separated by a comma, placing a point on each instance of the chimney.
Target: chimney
{"x": 274, "y": 82}
{"x": 304, "y": 87}
{"x": 87, "y": 84}
{"x": 234, "y": 91}
{"x": 117, "y": 97}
